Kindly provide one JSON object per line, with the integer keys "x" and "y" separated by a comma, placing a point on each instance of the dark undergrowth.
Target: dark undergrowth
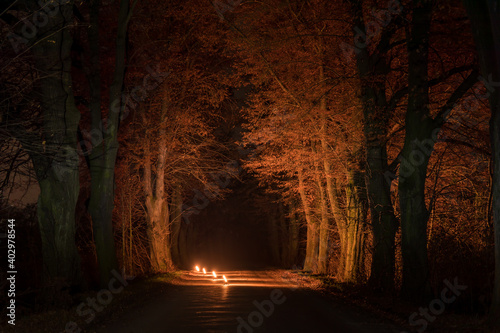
{"x": 453, "y": 319}
{"x": 82, "y": 316}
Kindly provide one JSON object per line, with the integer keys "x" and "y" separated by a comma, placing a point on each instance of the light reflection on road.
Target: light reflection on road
{"x": 199, "y": 303}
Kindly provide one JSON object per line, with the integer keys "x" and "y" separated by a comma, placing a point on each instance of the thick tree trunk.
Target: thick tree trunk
{"x": 420, "y": 136}
{"x": 157, "y": 208}
{"x": 57, "y": 166}
{"x": 414, "y": 159}
{"x": 383, "y": 220}
{"x": 158, "y": 235}
{"x": 372, "y": 71}
{"x": 101, "y": 210}
{"x": 103, "y": 157}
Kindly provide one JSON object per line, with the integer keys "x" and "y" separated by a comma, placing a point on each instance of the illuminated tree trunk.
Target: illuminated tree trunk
{"x": 157, "y": 210}
{"x": 57, "y": 165}
{"x": 352, "y": 240}
{"x": 485, "y": 21}
{"x": 158, "y": 235}
{"x": 324, "y": 226}
{"x": 310, "y": 263}
{"x": 324, "y": 233}
{"x": 176, "y": 219}
{"x": 350, "y": 223}
{"x": 157, "y": 204}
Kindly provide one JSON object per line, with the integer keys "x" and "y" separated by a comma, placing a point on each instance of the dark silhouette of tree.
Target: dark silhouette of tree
{"x": 54, "y": 153}
{"x": 421, "y": 131}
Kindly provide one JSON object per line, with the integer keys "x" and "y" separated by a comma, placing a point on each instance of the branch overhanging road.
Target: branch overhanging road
{"x": 251, "y": 301}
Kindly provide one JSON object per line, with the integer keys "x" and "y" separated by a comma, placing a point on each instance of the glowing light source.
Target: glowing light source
{"x": 224, "y": 277}
{"x": 213, "y": 273}
{"x": 197, "y": 268}
{"x": 204, "y": 271}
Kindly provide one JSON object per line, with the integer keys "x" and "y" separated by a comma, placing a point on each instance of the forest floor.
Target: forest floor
{"x": 252, "y": 301}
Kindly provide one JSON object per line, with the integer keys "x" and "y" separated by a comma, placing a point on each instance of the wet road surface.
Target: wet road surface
{"x": 252, "y": 301}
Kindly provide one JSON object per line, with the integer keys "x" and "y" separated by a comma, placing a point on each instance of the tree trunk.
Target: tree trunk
{"x": 414, "y": 159}
{"x": 57, "y": 166}
{"x": 372, "y": 71}
{"x": 103, "y": 157}
{"x": 158, "y": 235}
{"x": 420, "y": 136}
{"x": 157, "y": 208}
{"x": 310, "y": 263}
{"x": 176, "y": 225}
{"x": 383, "y": 221}
{"x": 353, "y": 238}
{"x": 324, "y": 226}
{"x": 101, "y": 210}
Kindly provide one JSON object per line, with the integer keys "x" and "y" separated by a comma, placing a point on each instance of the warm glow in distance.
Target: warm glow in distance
{"x": 197, "y": 268}
{"x": 213, "y": 273}
{"x": 204, "y": 271}
{"x": 224, "y": 277}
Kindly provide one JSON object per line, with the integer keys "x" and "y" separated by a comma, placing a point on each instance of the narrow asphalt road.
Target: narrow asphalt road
{"x": 251, "y": 301}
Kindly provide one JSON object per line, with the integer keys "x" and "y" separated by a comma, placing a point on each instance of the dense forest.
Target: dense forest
{"x": 364, "y": 135}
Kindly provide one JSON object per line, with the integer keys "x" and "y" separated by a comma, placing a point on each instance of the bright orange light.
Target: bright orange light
{"x": 197, "y": 268}
{"x": 204, "y": 271}
{"x": 213, "y": 273}
{"x": 224, "y": 277}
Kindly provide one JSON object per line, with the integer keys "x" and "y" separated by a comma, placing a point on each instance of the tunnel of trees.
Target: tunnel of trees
{"x": 358, "y": 139}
